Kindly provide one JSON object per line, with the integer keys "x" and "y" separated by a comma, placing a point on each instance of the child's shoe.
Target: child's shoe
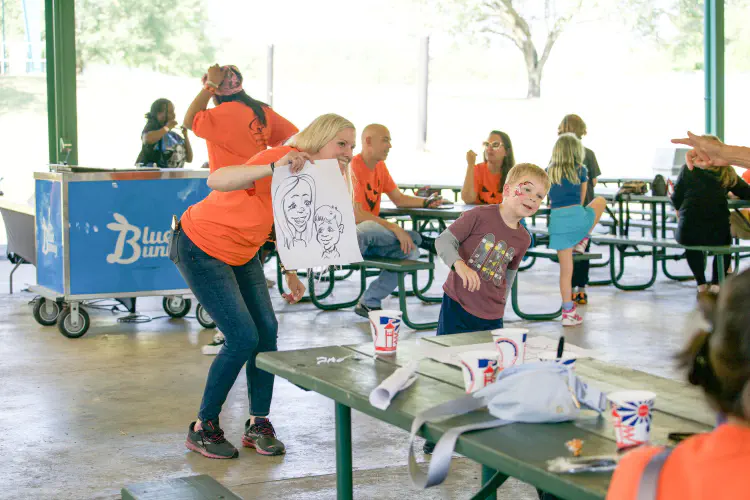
{"x": 581, "y": 298}
{"x": 581, "y": 245}
{"x": 571, "y": 317}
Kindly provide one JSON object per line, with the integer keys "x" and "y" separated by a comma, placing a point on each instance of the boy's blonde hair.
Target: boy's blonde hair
{"x": 567, "y": 155}
{"x": 727, "y": 175}
{"x": 524, "y": 170}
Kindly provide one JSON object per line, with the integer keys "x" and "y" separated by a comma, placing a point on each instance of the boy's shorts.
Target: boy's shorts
{"x": 455, "y": 319}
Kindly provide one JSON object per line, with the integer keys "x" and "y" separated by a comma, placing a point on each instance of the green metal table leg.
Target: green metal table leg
{"x": 491, "y": 481}
{"x": 531, "y": 262}
{"x": 339, "y": 305}
{"x": 402, "y": 307}
{"x": 720, "y": 267}
{"x": 616, "y": 278}
{"x": 675, "y": 277}
{"x": 420, "y": 293}
{"x": 344, "y": 484}
{"x": 523, "y": 315}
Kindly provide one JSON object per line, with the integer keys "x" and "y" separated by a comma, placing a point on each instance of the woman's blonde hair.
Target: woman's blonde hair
{"x": 573, "y": 124}
{"x": 727, "y": 175}
{"x": 320, "y": 132}
{"x": 567, "y": 155}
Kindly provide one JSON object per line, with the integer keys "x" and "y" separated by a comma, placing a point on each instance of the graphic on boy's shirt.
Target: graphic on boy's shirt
{"x": 481, "y": 252}
{"x": 489, "y": 258}
{"x": 499, "y": 278}
{"x": 490, "y": 267}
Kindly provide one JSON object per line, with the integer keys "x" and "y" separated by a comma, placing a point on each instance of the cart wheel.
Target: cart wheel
{"x": 42, "y": 315}
{"x": 176, "y": 306}
{"x": 66, "y": 326}
{"x": 203, "y": 317}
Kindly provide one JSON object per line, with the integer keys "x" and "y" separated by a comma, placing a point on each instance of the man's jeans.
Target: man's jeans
{"x": 377, "y": 241}
{"x": 237, "y": 299}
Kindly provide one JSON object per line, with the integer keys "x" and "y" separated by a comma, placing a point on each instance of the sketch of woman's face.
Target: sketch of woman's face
{"x": 298, "y": 207}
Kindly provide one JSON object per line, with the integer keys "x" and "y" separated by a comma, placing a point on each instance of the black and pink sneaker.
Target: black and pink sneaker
{"x": 262, "y": 437}
{"x": 209, "y": 441}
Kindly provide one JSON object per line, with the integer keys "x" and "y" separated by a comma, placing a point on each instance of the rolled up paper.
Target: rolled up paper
{"x": 381, "y": 396}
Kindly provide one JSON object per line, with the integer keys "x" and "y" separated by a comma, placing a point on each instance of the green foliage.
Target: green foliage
{"x": 162, "y": 35}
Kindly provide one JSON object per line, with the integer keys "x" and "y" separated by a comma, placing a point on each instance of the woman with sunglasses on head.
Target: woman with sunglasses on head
{"x": 483, "y": 184}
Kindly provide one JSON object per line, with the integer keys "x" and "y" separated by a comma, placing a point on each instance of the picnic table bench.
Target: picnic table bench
{"x": 516, "y": 450}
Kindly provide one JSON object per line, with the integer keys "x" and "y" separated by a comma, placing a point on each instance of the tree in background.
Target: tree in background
{"x": 523, "y": 22}
{"x": 162, "y": 35}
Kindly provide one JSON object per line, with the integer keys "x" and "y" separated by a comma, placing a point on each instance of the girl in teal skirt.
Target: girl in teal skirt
{"x": 570, "y": 223}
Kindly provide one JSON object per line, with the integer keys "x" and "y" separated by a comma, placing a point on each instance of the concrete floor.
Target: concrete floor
{"x": 84, "y": 417}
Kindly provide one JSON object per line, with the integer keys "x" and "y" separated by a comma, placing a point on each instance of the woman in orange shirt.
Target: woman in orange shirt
{"x": 237, "y": 128}
{"x": 711, "y": 465}
{"x": 216, "y": 249}
{"x": 483, "y": 184}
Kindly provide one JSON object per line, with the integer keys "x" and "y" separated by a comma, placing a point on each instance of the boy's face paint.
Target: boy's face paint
{"x": 519, "y": 191}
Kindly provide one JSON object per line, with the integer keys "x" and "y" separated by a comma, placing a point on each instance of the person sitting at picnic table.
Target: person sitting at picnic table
{"x": 574, "y": 124}
{"x": 570, "y": 223}
{"x": 378, "y": 237}
{"x": 483, "y": 184}
{"x": 161, "y": 145}
{"x": 700, "y": 198}
{"x": 216, "y": 248}
{"x": 712, "y": 464}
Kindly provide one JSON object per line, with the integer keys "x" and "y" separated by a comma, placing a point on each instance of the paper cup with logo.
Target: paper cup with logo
{"x": 631, "y": 416}
{"x": 511, "y": 346}
{"x": 479, "y": 368}
{"x": 567, "y": 360}
{"x": 384, "y": 326}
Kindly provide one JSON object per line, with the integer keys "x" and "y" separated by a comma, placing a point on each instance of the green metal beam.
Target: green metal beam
{"x": 713, "y": 43}
{"x": 61, "y": 81}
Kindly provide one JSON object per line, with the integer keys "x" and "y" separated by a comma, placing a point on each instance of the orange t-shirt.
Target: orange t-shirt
{"x": 232, "y": 226}
{"x": 746, "y": 175}
{"x": 234, "y": 134}
{"x": 711, "y": 465}
{"x": 369, "y": 185}
{"x": 487, "y": 185}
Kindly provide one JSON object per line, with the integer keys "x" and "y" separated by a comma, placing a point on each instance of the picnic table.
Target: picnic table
{"x": 516, "y": 450}
{"x": 413, "y": 187}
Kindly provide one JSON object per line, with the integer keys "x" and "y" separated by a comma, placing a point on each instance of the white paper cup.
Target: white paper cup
{"x": 384, "y": 326}
{"x": 479, "y": 368}
{"x": 631, "y": 416}
{"x": 511, "y": 346}
{"x": 568, "y": 360}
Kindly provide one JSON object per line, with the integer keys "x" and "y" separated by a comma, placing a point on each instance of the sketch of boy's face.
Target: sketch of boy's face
{"x": 328, "y": 233}
{"x": 297, "y": 207}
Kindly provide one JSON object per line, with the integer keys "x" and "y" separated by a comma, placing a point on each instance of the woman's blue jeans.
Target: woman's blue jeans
{"x": 237, "y": 299}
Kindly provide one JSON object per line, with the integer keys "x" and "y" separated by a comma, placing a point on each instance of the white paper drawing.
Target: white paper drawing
{"x": 314, "y": 217}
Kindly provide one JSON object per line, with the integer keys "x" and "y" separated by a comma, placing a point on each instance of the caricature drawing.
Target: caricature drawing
{"x": 295, "y": 199}
{"x": 328, "y": 230}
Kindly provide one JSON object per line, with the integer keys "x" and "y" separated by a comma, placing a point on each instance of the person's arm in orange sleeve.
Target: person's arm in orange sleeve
{"x": 215, "y": 75}
{"x": 470, "y": 190}
{"x": 239, "y": 177}
{"x": 281, "y": 128}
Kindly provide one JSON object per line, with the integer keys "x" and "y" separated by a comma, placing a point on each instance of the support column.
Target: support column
{"x": 269, "y": 76}
{"x": 423, "y": 81}
{"x": 61, "y": 81}
{"x": 713, "y": 44}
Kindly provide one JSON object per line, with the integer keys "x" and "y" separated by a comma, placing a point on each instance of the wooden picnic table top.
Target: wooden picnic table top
{"x": 517, "y": 450}
{"x": 656, "y": 200}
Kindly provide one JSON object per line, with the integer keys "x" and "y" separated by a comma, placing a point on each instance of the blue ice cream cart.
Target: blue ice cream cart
{"x": 104, "y": 234}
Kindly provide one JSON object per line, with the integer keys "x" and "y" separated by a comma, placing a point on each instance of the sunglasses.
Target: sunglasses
{"x": 493, "y": 145}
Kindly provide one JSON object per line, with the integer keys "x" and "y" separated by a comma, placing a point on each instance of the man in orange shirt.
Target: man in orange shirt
{"x": 378, "y": 237}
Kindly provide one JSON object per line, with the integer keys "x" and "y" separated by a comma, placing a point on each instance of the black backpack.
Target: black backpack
{"x": 659, "y": 186}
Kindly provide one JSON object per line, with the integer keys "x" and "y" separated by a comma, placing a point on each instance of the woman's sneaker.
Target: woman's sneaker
{"x": 215, "y": 346}
{"x": 262, "y": 437}
{"x": 581, "y": 245}
{"x": 209, "y": 441}
{"x": 571, "y": 317}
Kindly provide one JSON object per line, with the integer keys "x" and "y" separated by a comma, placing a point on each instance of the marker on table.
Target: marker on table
{"x": 560, "y": 346}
